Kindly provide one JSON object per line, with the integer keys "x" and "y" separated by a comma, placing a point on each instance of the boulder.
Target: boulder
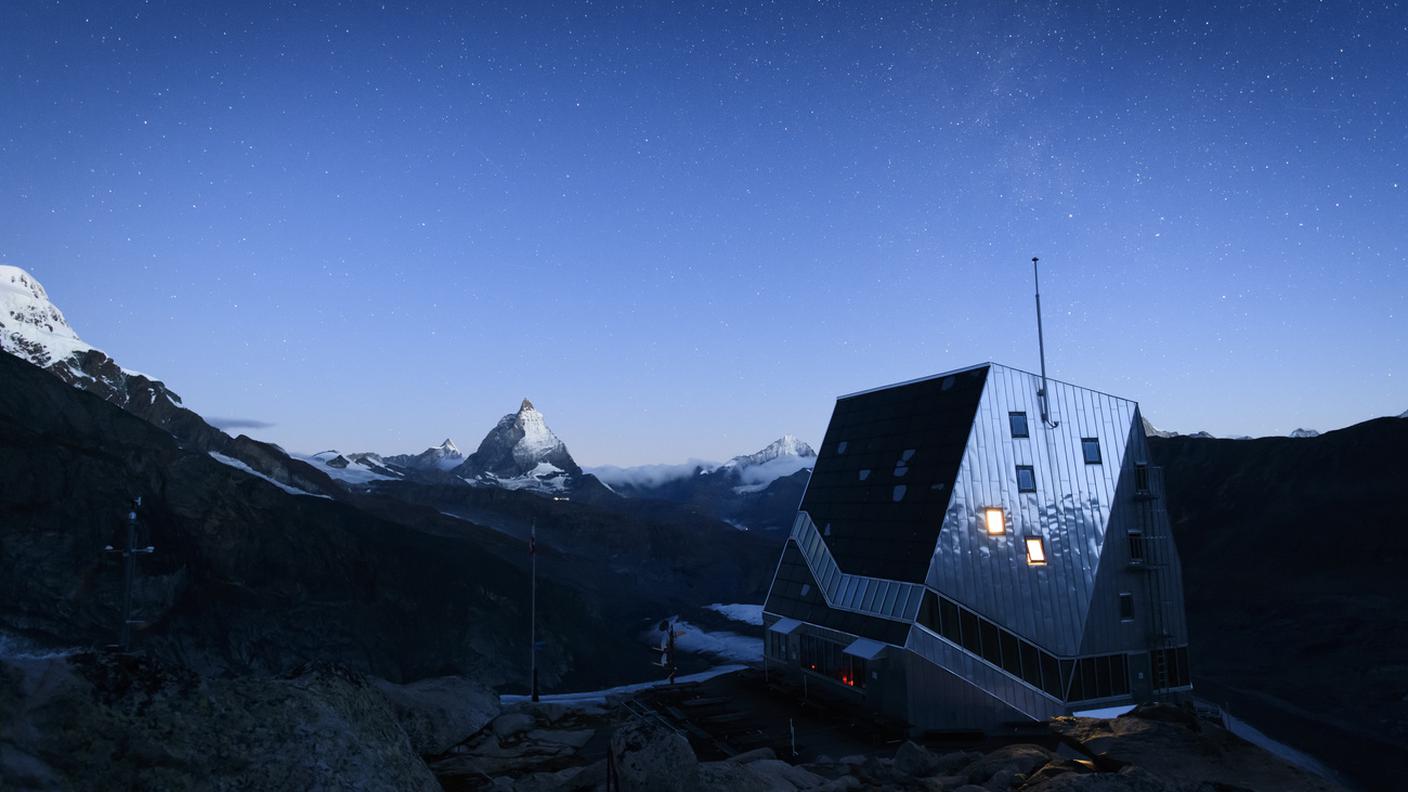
{"x": 511, "y": 723}
{"x": 96, "y": 722}
{"x": 438, "y": 714}
{"x": 1181, "y": 750}
{"x": 1128, "y": 779}
{"x": 1022, "y": 758}
{"x": 915, "y": 760}
{"x": 729, "y": 776}
{"x": 652, "y": 757}
{"x": 782, "y": 775}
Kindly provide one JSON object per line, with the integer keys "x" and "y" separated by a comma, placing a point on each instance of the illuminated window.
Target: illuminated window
{"x": 1026, "y": 478}
{"x": 1036, "y": 550}
{"x": 1090, "y": 446}
{"x": 1018, "y": 422}
{"x": 994, "y": 521}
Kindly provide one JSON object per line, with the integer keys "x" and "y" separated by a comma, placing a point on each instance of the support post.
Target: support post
{"x": 533, "y": 610}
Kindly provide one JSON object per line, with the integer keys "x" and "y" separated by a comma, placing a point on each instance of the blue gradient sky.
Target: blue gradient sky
{"x": 683, "y": 229}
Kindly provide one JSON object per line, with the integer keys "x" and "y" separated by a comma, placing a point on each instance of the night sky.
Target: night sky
{"x": 683, "y": 229}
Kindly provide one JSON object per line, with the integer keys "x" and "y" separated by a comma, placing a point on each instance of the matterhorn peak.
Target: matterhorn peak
{"x": 527, "y": 406}
{"x": 449, "y": 446}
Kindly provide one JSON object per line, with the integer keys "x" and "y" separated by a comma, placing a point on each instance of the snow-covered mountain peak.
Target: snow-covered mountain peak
{"x": 521, "y": 451}
{"x": 31, "y": 326}
{"x": 785, "y": 446}
{"x": 448, "y": 447}
{"x": 1304, "y": 433}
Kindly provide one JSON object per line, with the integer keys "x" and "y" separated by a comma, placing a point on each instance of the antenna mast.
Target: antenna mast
{"x": 1041, "y": 347}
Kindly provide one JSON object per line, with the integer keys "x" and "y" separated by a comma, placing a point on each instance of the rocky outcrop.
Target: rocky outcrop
{"x": 438, "y": 714}
{"x": 96, "y": 722}
{"x": 1155, "y": 749}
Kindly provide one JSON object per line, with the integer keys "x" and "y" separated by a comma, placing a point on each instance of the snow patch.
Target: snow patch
{"x": 600, "y": 696}
{"x": 739, "y": 612}
{"x": 238, "y": 465}
{"x": 722, "y": 644}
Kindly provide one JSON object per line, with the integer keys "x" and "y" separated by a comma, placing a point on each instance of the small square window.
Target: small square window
{"x": 994, "y": 522}
{"x": 1090, "y": 446}
{"x": 1036, "y": 550}
{"x": 1126, "y": 607}
{"x": 1018, "y": 421}
{"x": 1026, "y": 478}
{"x": 1136, "y": 548}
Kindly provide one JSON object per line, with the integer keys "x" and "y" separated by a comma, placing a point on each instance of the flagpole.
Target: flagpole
{"x": 533, "y": 609}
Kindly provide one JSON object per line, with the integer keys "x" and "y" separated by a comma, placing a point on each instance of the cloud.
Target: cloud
{"x": 237, "y": 423}
{"x": 649, "y": 475}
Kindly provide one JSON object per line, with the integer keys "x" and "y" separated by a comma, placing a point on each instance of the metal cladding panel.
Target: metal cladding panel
{"x": 940, "y": 700}
{"x": 1155, "y": 585}
{"x": 885, "y": 471}
{"x": 1046, "y": 604}
{"x": 795, "y": 594}
{"x": 990, "y": 681}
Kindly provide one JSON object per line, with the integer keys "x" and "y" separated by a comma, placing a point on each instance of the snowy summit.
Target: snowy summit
{"x": 521, "y": 452}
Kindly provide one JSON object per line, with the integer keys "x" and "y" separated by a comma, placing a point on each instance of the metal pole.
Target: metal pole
{"x": 533, "y": 609}
{"x": 1041, "y": 347}
{"x": 129, "y": 572}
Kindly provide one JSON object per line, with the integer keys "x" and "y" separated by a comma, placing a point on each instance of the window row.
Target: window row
{"x": 887, "y": 598}
{"x": 829, "y": 659}
{"x": 1109, "y": 674}
{"x": 1089, "y": 446}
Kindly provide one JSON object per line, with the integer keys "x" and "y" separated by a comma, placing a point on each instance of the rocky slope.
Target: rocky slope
{"x": 94, "y": 722}
{"x": 1154, "y": 749}
{"x": 34, "y": 329}
{"x": 1292, "y": 559}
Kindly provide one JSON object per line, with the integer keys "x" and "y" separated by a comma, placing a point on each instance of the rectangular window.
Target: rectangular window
{"x": 1011, "y": 655}
{"x": 1036, "y": 550}
{"x": 1141, "y": 478}
{"x": 992, "y": 649}
{"x": 1018, "y": 421}
{"x": 994, "y": 522}
{"x": 948, "y": 615}
{"x": 971, "y": 641}
{"x": 1136, "y": 548}
{"x": 1026, "y": 478}
{"x": 1031, "y": 665}
{"x": 1090, "y": 446}
{"x": 1126, "y": 606}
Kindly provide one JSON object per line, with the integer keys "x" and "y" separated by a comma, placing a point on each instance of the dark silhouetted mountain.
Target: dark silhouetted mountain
{"x": 253, "y": 574}
{"x": 1293, "y": 559}
{"x": 34, "y": 329}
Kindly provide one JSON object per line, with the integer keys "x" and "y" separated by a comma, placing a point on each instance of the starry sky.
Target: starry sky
{"x": 683, "y": 228}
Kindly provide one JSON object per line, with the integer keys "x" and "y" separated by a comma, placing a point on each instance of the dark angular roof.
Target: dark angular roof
{"x": 787, "y": 599}
{"x": 885, "y": 471}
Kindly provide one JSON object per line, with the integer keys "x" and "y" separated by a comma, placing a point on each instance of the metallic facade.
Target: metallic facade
{"x": 1102, "y": 616}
